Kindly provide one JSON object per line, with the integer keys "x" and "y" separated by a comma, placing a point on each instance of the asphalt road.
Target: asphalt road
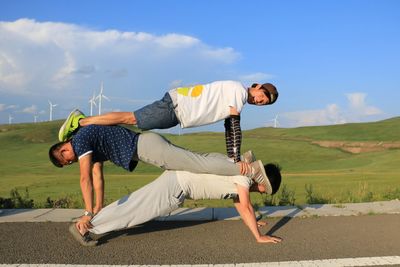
{"x": 214, "y": 242}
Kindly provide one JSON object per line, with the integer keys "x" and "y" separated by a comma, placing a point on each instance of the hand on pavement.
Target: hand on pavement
{"x": 261, "y": 223}
{"x": 268, "y": 239}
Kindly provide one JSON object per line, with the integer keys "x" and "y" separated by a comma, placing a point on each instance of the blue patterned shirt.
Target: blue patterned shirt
{"x": 114, "y": 143}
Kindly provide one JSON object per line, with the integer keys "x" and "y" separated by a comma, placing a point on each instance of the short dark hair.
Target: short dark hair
{"x": 269, "y": 90}
{"x": 54, "y": 148}
{"x": 273, "y": 172}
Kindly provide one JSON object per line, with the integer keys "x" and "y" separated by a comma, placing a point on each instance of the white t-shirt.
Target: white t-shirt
{"x": 210, "y": 186}
{"x": 207, "y": 103}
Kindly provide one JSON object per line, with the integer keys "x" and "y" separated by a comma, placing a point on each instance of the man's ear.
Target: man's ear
{"x": 66, "y": 147}
{"x": 63, "y": 148}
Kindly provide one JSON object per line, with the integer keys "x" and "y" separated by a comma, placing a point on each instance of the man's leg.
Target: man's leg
{"x": 158, "y": 198}
{"x": 156, "y": 150}
{"x": 158, "y": 115}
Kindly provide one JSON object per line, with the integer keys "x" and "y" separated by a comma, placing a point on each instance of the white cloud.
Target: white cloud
{"x": 50, "y": 57}
{"x": 30, "y": 110}
{"x": 226, "y": 55}
{"x": 358, "y": 105}
{"x": 4, "y": 107}
{"x": 356, "y": 111}
{"x": 175, "y": 40}
{"x": 331, "y": 114}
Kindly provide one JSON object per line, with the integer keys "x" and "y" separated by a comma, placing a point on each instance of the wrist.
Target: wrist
{"x": 88, "y": 213}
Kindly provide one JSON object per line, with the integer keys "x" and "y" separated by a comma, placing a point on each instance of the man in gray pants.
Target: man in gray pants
{"x": 168, "y": 192}
{"x": 94, "y": 144}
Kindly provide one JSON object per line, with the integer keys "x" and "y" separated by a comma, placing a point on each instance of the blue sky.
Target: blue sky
{"x": 332, "y": 61}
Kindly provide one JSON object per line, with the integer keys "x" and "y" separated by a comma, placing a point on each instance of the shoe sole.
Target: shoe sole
{"x": 249, "y": 157}
{"x": 78, "y": 237}
{"x": 267, "y": 184}
{"x": 67, "y": 122}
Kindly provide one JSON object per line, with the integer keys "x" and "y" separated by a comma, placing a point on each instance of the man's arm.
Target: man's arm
{"x": 246, "y": 211}
{"x": 86, "y": 182}
{"x": 98, "y": 184}
{"x": 111, "y": 118}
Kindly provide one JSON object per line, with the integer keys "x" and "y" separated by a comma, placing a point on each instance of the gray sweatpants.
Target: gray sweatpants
{"x": 158, "y": 198}
{"x": 154, "y": 149}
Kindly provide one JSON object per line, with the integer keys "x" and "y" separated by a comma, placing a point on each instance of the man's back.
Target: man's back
{"x": 208, "y": 103}
{"x": 114, "y": 143}
{"x": 211, "y": 186}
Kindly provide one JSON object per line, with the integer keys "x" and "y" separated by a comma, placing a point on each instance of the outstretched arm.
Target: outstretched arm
{"x": 86, "y": 182}
{"x": 246, "y": 211}
{"x": 111, "y": 118}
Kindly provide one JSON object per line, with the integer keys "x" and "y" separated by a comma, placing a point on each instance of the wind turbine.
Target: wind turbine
{"x": 92, "y": 102}
{"x": 10, "y": 118}
{"x": 35, "y": 118}
{"x": 100, "y": 97}
{"x": 51, "y": 110}
{"x": 276, "y": 122}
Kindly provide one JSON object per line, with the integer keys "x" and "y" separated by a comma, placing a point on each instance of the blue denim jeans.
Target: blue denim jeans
{"x": 158, "y": 115}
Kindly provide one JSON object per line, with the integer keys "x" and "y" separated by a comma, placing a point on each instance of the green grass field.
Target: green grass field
{"x": 335, "y": 175}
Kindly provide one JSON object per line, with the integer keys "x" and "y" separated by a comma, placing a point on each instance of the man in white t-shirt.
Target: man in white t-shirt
{"x": 168, "y": 192}
{"x": 190, "y": 107}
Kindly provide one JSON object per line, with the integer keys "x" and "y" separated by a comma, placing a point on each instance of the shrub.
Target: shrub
{"x": 16, "y": 201}
{"x": 268, "y": 200}
{"x": 286, "y": 197}
{"x": 392, "y": 194}
{"x": 313, "y": 198}
{"x": 364, "y": 194}
{"x": 6, "y": 203}
{"x": 66, "y": 202}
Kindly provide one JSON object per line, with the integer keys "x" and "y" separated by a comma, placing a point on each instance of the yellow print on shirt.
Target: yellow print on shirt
{"x": 192, "y": 91}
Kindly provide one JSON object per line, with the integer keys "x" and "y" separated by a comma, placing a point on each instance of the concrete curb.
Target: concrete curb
{"x": 207, "y": 214}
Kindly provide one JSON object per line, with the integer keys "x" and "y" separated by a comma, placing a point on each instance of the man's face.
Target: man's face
{"x": 257, "y": 188}
{"x": 261, "y": 188}
{"x": 260, "y": 98}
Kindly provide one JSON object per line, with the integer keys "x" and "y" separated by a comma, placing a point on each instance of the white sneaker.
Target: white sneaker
{"x": 248, "y": 157}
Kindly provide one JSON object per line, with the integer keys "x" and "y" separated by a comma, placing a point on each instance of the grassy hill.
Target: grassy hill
{"x": 315, "y": 156}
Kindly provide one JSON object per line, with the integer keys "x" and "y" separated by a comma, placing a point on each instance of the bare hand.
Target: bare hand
{"x": 245, "y": 168}
{"x": 268, "y": 239}
{"x": 261, "y": 223}
{"x": 84, "y": 224}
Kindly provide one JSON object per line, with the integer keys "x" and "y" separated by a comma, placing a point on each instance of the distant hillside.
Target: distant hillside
{"x": 344, "y": 163}
{"x": 386, "y": 130}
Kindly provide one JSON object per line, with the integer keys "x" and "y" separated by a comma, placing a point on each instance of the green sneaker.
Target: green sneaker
{"x": 70, "y": 125}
